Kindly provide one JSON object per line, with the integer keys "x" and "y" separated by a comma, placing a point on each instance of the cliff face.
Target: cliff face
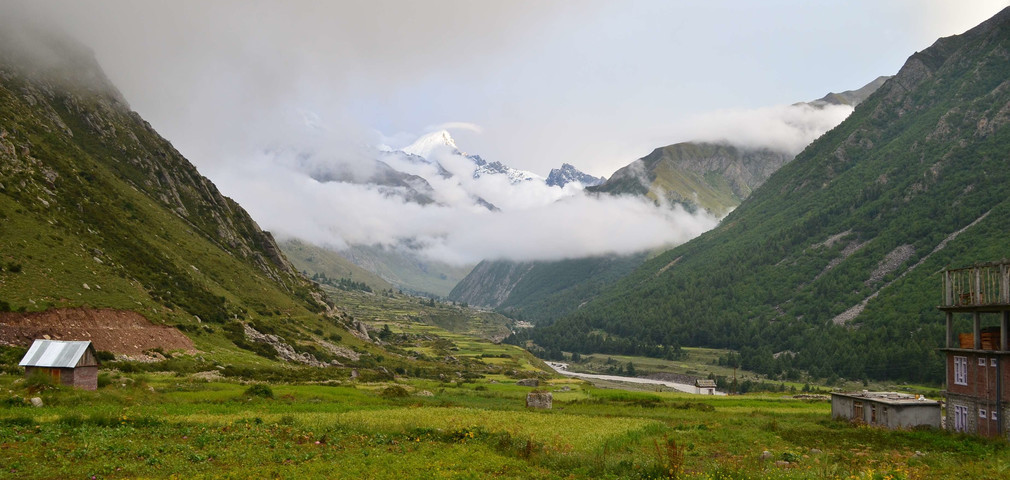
{"x": 84, "y": 176}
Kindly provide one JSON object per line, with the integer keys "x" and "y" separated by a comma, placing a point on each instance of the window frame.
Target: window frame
{"x": 960, "y": 370}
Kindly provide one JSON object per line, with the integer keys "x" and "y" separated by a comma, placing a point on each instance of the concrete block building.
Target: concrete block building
{"x": 888, "y": 409}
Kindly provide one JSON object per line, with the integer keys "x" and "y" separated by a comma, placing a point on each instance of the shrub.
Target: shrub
{"x": 394, "y": 391}
{"x": 14, "y": 401}
{"x": 259, "y": 390}
{"x": 39, "y": 382}
{"x": 104, "y": 379}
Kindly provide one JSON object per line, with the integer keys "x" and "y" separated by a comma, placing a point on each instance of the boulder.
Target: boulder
{"x": 528, "y": 382}
{"x": 36, "y": 401}
{"x": 540, "y": 400}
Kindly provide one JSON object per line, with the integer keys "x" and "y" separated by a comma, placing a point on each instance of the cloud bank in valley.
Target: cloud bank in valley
{"x": 534, "y": 221}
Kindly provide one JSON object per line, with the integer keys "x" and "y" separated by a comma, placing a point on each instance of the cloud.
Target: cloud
{"x": 536, "y": 222}
{"x": 787, "y": 128}
{"x": 471, "y": 127}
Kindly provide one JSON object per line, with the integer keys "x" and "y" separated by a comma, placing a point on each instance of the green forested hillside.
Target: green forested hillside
{"x": 542, "y": 291}
{"x": 834, "y": 260}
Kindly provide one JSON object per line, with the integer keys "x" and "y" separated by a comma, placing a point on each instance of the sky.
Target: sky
{"x": 532, "y": 84}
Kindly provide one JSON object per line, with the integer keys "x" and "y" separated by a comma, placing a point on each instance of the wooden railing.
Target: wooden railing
{"x": 978, "y": 285}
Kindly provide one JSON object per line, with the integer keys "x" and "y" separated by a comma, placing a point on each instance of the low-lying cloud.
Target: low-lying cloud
{"x": 535, "y": 222}
{"x": 786, "y": 128}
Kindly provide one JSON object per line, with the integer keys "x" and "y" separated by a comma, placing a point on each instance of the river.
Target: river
{"x": 562, "y": 368}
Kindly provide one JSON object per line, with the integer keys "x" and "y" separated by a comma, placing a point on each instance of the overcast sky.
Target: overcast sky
{"x": 529, "y": 83}
{"x": 592, "y": 83}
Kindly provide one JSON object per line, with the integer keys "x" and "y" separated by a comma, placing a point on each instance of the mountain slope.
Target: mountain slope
{"x": 99, "y": 211}
{"x": 559, "y": 177}
{"x": 711, "y": 176}
{"x": 835, "y": 256}
{"x": 312, "y": 260}
{"x": 541, "y": 291}
{"x": 715, "y": 177}
{"x": 851, "y": 97}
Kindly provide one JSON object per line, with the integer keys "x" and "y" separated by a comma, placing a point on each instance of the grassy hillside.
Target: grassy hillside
{"x": 834, "y": 259}
{"x": 315, "y": 260}
{"x": 98, "y": 210}
{"x": 405, "y": 270}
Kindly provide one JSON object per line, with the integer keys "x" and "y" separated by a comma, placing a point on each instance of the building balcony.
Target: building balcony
{"x": 979, "y": 288}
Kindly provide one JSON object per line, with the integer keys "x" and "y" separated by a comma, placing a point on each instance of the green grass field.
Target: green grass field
{"x": 164, "y": 425}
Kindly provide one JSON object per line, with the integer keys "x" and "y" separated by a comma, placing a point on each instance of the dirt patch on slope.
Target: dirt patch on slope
{"x": 119, "y": 331}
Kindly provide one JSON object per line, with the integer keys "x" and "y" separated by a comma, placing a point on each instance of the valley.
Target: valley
{"x": 357, "y": 295}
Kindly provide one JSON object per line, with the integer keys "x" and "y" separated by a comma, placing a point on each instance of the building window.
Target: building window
{"x": 857, "y": 411}
{"x": 960, "y": 370}
{"x": 992, "y": 362}
{"x": 982, "y": 414}
{"x": 993, "y": 414}
{"x": 960, "y": 418}
{"x": 981, "y": 362}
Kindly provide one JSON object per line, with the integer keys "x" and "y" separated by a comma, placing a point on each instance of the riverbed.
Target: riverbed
{"x": 562, "y": 368}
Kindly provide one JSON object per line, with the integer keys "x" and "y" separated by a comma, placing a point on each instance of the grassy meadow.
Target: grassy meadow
{"x": 164, "y": 425}
{"x": 177, "y": 424}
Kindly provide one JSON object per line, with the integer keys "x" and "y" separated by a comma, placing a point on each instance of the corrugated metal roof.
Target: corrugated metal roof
{"x": 55, "y": 353}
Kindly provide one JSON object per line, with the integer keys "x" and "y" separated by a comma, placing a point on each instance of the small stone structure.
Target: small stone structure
{"x": 540, "y": 400}
{"x": 705, "y": 386}
{"x": 528, "y": 382}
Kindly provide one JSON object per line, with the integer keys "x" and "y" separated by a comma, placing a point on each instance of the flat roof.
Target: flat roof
{"x": 890, "y": 398}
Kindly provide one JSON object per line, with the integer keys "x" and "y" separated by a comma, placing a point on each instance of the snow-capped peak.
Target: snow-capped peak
{"x": 429, "y": 143}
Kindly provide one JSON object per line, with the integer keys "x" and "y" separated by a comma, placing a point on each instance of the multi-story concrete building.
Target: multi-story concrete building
{"x": 978, "y": 359}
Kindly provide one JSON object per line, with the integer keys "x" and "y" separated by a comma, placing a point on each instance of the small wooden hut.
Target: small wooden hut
{"x": 72, "y": 363}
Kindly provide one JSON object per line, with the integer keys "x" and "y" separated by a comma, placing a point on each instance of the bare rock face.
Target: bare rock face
{"x": 284, "y": 351}
{"x": 539, "y": 400}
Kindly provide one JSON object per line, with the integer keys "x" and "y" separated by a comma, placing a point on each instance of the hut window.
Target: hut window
{"x": 981, "y": 362}
{"x": 993, "y": 413}
{"x": 981, "y": 413}
{"x": 992, "y": 362}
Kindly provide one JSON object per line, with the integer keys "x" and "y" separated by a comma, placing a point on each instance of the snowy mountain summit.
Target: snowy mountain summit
{"x": 428, "y": 146}
{"x": 431, "y": 143}
{"x": 559, "y": 177}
